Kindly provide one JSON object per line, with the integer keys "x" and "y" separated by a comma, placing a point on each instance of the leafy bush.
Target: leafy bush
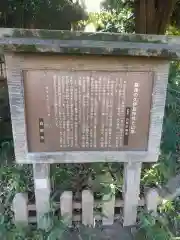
{"x": 167, "y": 223}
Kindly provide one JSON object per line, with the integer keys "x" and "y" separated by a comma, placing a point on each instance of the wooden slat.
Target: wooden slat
{"x": 152, "y": 199}
{"x": 87, "y": 208}
{"x": 66, "y": 207}
{"x": 20, "y": 208}
{"x": 108, "y": 209}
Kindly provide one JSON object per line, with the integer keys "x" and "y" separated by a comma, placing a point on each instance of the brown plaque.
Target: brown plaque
{"x": 87, "y": 110}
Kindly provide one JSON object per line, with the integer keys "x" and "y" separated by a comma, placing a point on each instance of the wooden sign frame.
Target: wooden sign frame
{"x": 43, "y": 49}
{"x": 17, "y": 63}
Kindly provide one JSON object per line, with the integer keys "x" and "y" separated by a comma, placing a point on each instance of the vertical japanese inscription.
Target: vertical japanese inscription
{"x": 126, "y": 126}
{"x": 41, "y": 130}
{"x": 135, "y": 103}
{"x": 88, "y": 110}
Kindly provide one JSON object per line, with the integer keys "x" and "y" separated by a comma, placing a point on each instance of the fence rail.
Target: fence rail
{"x": 87, "y": 208}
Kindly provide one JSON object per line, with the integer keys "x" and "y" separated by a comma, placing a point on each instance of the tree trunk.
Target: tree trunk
{"x": 153, "y": 16}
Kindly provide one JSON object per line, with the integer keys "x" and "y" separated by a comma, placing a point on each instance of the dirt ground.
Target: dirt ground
{"x": 114, "y": 232}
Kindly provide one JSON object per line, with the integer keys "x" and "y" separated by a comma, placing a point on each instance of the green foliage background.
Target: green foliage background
{"x": 54, "y": 14}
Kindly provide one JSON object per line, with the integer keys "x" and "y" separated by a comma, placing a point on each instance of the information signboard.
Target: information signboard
{"x": 87, "y": 110}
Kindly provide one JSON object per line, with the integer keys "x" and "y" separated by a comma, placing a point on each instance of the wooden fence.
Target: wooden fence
{"x": 87, "y": 208}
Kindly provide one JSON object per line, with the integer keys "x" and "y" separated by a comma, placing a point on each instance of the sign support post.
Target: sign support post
{"x": 132, "y": 177}
{"x": 41, "y": 174}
